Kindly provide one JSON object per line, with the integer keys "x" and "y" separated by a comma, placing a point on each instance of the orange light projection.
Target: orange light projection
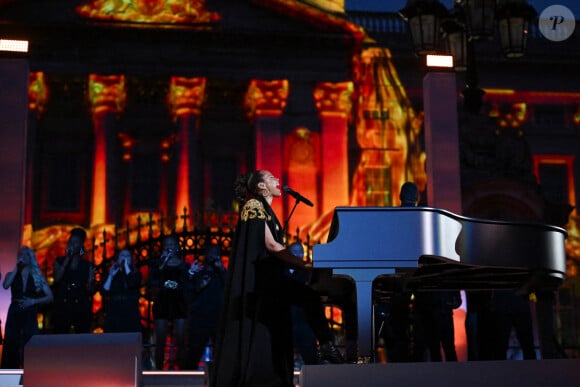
{"x": 576, "y": 116}
{"x": 107, "y": 95}
{"x": 302, "y": 166}
{"x": 573, "y": 226}
{"x": 315, "y": 15}
{"x": 334, "y": 98}
{"x": 266, "y": 98}
{"x": 387, "y": 132}
{"x": 149, "y": 11}
{"x": 510, "y": 115}
{"x": 334, "y": 105}
{"x": 531, "y": 97}
{"x": 185, "y": 98}
{"x": 37, "y": 92}
{"x": 127, "y": 143}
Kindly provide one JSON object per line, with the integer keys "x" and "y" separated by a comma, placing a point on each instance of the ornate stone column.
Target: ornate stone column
{"x": 185, "y": 100}
{"x": 333, "y": 101}
{"x": 13, "y": 121}
{"x": 302, "y": 165}
{"x": 265, "y": 101}
{"x": 37, "y": 99}
{"x": 107, "y": 96}
{"x": 442, "y": 141}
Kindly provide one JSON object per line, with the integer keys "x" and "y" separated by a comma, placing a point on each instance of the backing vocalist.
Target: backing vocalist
{"x": 74, "y": 279}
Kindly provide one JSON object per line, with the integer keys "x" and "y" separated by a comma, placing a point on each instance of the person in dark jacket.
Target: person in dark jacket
{"x": 121, "y": 291}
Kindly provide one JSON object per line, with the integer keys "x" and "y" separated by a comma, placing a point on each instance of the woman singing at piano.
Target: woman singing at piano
{"x": 254, "y": 343}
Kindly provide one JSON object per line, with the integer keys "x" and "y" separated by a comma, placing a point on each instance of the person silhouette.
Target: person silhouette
{"x": 167, "y": 279}
{"x": 204, "y": 290}
{"x": 254, "y": 340}
{"x": 432, "y": 317}
{"x": 121, "y": 291}
{"x": 28, "y": 289}
{"x": 74, "y": 286}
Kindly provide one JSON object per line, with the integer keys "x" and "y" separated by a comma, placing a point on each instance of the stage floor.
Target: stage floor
{"x": 505, "y": 373}
{"x": 13, "y": 378}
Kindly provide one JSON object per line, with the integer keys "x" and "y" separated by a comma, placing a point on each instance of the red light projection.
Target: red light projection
{"x": 314, "y": 15}
{"x": 576, "y": 116}
{"x": 334, "y": 105}
{"x": 334, "y": 99}
{"x": 510, "y": 116}
{"x": 387, "y": 132}
{"x": 302, "y": 166}
{"x": 107, "y": 95}
{"x": 266, "y": 98}
{"x": 127, "y": 144}
{"x": 149, "y": 11}
{"x": 186, "y": 96}
{"x": 37, "y": 92}
{"x": 573, "y": 229}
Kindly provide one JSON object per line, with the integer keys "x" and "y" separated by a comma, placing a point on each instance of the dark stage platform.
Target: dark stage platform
{"x": 508, "y": 373}
{"x": 14, "y": 378}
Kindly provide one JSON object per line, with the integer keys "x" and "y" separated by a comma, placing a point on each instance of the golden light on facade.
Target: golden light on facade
{"x": 186, "y": 96}
{"x": 149, "y": 11}
{"x": 107, "y": 93}
{"x": 37, "y": 92}
{"x": 127, "y": 143}
{"x": 576, "y": 116}
{"x": 266, "y": 97}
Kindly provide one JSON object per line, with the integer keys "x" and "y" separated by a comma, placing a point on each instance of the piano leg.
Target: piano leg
{"x": 363, "y": 278}
{"x": 364, "y": 314}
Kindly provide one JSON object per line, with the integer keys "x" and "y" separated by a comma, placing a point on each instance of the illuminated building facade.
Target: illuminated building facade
{"x": 154, "y": 107}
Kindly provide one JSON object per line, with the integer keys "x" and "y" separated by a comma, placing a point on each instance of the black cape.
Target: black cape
{"x": 254, "y": 342}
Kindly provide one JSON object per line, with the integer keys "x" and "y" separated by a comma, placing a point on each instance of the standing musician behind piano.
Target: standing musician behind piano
{"x": 254, "y": 340}
{"x": 432, "y": 316}
{"x": 400, "y": 343}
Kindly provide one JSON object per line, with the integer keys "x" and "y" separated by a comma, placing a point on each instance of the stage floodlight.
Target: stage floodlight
{"x": 439, "y": 61}
{"x": 12, "y": 45}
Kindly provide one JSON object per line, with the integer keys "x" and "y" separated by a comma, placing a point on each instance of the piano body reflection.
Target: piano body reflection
{"x": 436, "y": 249}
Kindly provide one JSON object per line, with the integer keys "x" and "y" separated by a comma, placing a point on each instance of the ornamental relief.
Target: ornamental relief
{"x": 148, "y": 11}
{"x": 253, "y": 209}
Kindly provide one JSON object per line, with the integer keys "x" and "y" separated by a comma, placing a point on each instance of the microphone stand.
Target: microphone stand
{"x": 289, "y": 216}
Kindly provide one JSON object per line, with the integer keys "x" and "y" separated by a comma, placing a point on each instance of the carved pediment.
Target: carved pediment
{"x": 148, "y": 11}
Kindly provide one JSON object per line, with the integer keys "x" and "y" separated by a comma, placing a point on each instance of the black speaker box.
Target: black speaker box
{"x": 83, "y": 360}
{"x": 508, "y": 373}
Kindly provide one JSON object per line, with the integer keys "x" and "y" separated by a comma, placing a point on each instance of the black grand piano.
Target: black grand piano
{"x": 432, "y": 248}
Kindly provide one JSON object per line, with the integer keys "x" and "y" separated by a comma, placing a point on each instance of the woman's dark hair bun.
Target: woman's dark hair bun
{"x": 241, "y": 188}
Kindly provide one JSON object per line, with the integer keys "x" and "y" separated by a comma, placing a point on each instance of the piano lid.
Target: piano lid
{"x": 395, "y": 234}
{"x": 409, "y": 237}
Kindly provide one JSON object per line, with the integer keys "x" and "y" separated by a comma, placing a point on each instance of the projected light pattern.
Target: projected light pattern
{"x": 149, "y": 11}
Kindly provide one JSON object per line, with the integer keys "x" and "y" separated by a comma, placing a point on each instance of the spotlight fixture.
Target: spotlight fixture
{"x": 12, "y": 45}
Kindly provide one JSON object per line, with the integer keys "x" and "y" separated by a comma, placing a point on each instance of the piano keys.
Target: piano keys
{"x": 432, "y": 248}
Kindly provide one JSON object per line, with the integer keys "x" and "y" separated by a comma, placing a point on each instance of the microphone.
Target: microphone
{"x": 297, "y": 196}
